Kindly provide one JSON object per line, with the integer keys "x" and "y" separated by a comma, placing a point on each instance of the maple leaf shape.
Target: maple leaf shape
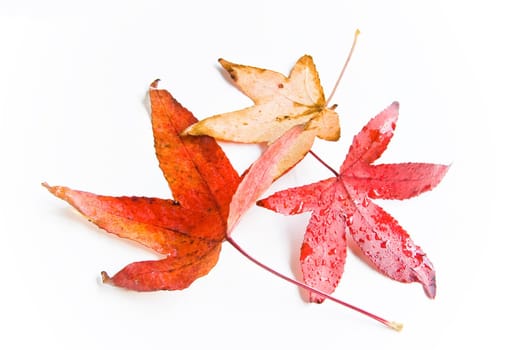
{"x": 280, "y": 103}
{"x": 188, "y": 230}
{"x": 342, "y": 210}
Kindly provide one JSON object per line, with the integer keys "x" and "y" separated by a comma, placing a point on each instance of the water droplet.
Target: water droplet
{"x": 375, "y": 192}
{"x": 374, "y": 134}
{"x": 306, "y": 251}
{"x": 298, "y": 208}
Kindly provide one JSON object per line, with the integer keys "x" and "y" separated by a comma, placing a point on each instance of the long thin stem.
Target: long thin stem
{"x": 324, "y": 163}
{"x": 356, "y": 34}
{"x": 393, "y": 325}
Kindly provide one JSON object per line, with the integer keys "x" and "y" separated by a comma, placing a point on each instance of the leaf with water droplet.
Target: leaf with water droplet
{"x": 342, "y": 210}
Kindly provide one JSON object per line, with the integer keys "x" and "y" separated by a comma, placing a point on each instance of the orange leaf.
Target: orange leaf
{"x": 166, "y": 274}
{"x": 190, "y": 229}
{"x": 197, "y": 170}
{"x": 159, "y": 224}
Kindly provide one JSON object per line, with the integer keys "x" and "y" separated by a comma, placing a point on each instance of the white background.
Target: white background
{"x": 73, "y": 82}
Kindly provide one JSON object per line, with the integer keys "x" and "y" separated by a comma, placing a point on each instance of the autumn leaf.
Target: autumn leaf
{"x": 280, "y": 103}
{"x": 275, "y": 160}
{"x": 188, "y": 229}
{"x": 342, "y": 210}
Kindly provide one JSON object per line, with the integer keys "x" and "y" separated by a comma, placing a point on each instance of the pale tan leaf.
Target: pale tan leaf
{"x": 280, "y": 104}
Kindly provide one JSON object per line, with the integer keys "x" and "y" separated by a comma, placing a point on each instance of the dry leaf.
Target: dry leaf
{"x": 280, "y": 103}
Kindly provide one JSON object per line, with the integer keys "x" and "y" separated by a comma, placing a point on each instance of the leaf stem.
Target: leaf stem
{"x": 356, "y": 34}
{"x": 393, "y": 325}
{"x": 324, "y": 163}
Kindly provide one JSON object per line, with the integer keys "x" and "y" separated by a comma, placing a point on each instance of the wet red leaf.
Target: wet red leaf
{"x": 342, "y": 210}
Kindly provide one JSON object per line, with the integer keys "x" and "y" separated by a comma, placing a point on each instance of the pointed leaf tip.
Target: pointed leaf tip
{"x": 231, "y": 68}
{"x": 57, "y": 191}
{"x": 154, "y": 84}
{"x": 105, "y": 277}
{"x": 392, "y": 109}
{"x": 430, "y": 291}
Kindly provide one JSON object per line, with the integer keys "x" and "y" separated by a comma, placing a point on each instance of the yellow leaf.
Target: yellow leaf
{"x": 280, "y": 104}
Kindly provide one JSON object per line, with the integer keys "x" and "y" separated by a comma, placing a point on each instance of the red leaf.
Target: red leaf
{"x": 278, "y": 158}
{"x": 395, "y": 181}
{"x": 159, "y": 224}
{"x": 341, "y": 209}
{"x": 373, "y": 139}
{"x": 197, "y": 170}
{"x": 190, "y": 229}
{"x": 323, "y": 252}
{"x": 171, "y": 273}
